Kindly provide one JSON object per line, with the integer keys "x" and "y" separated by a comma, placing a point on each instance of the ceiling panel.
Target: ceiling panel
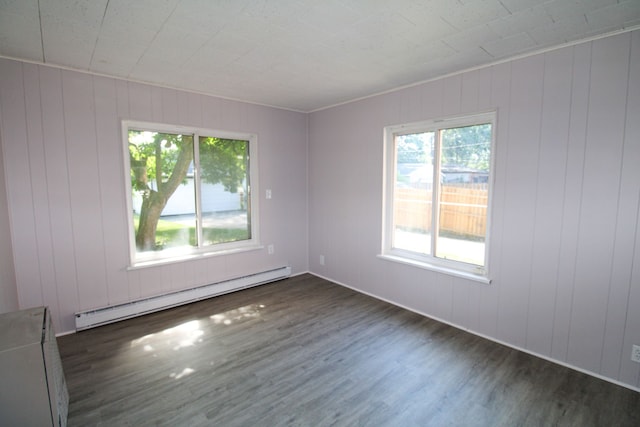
{"x": 524, "y": 20}
{"x": 510, "y": 45}
{"x": 296, "y": 54}
{"x": 20, "y": 35}
{"x": 116, "y": 56}
{"x": 471, "y": 13}
{"x": 627, "y": 12}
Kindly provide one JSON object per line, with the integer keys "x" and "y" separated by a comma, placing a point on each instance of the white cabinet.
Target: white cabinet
{"x": 33, "y": 391}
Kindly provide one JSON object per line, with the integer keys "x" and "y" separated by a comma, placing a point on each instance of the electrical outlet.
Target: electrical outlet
{"x": 270, "y": 249}
{"x": 321, "y": 259}
{"x": 635, "y": 353}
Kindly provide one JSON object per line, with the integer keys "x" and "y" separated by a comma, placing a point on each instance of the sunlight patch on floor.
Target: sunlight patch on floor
{"x": 184, "y": 335}
{"x": 235, "y": 315}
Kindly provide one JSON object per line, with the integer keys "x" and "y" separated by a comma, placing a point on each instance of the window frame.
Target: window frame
{"x": 430, "y": 261}
{"x": 186, "y": 253}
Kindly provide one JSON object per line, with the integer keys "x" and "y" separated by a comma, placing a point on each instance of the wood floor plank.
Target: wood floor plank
{"x": 307, "y": 352}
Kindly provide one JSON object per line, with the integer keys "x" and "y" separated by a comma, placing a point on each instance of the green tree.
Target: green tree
{"x": 415, "y": 147}
{"x": 224, "y": 161}
{"x": 468, "y": 146}
{"x": 160, "y": 163}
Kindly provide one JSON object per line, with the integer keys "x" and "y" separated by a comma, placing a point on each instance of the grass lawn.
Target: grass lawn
{"x": 174, "y": 233}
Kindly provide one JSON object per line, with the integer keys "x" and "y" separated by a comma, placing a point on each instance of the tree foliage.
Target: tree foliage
{"x": 415, "y": 148}
{"x": 467, "y": 146}
{"x": 224, "y": 161}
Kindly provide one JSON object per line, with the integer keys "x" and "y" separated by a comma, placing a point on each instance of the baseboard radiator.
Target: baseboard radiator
{"x": 102, "y": 316}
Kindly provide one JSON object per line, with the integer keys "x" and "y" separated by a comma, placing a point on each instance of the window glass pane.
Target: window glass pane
{"x": 412, "y": 192}
{"x": 163, "y": 196}
{"x": 464, "y": 191}
{"x": 224, "y": 190}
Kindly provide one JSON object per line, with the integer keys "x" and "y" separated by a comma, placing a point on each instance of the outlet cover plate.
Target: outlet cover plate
{"x": 635, "y": 353}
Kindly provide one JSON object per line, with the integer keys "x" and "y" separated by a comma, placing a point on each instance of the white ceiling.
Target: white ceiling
{"x": 297, "y": 54}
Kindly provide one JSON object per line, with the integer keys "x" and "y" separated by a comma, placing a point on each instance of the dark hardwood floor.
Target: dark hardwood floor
{"x": 307, "y": 352}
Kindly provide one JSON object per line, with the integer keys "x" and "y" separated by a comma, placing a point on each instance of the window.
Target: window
{"x": 189, "y": 191}
{"x": 438, "y": 177}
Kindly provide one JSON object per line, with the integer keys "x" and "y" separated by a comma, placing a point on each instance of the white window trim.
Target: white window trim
{"x": 183, "y": 254}
{"x": 430, "y": 262}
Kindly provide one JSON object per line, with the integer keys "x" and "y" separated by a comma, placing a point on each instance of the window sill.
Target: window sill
{"x": 438, "y": 268}
{"x": 191, "y": 257}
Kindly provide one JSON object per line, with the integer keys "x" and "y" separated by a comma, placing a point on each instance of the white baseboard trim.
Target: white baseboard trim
{"x": 109, "y": 314}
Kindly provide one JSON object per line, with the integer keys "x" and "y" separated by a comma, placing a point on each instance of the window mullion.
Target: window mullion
{"x": 435, "y": 204}
{"x": 391, "y": 188}
{"x": 197, "y": 187}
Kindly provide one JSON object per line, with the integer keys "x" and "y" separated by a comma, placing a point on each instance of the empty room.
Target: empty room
{"x": 320, "y": 213}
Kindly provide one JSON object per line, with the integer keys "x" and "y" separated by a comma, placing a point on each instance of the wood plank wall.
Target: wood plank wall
{"x": 565, "y": 235}
{"x": 63, "y": 164}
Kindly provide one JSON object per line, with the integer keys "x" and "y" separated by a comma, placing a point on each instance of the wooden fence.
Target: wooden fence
{"x": 463, "y": 209}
